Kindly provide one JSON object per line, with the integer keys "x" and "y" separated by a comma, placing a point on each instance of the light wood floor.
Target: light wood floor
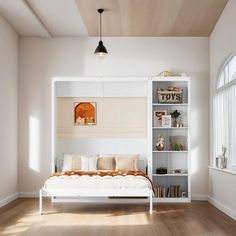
{"x": 198, "y": 218}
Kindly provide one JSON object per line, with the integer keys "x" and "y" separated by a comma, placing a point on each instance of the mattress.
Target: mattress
{"x": 97, "y": 182}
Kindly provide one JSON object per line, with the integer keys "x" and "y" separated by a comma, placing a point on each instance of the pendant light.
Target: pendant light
{"x": 100, "y": 50}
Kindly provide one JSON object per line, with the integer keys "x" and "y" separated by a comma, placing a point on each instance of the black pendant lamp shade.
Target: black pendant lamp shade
{"x": 100, "y": 50}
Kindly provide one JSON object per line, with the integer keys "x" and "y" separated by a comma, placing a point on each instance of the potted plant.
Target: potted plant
{"x": 175, "y": 116}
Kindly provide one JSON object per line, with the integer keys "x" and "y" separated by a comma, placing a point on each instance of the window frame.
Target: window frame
{"x": 219, "y": 90}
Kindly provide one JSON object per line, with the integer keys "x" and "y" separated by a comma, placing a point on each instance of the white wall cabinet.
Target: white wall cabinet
{"x": 173, "y": 187}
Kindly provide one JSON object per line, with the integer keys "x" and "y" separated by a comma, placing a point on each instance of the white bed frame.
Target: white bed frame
{"x": 94, "y": 193}
{"x": 97, "y": 192}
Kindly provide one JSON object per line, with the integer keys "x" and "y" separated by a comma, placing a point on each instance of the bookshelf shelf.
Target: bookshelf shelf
{"x": 171, "y": 199}
{"x": 170, "y": 128}
{"x": 175, "y": 186}
{"x": 169, "y": 151}
{"x": 170, "y": 104}
{"x": 170, "y": 175}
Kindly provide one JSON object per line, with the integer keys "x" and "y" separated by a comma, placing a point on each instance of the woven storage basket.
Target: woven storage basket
{"x": 166, "y": 96}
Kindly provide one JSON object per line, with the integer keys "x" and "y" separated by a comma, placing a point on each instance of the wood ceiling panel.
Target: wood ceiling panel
{"x": 151, "y": 17}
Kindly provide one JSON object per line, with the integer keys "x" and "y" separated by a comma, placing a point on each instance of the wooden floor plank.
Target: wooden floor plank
{"x": 197, "y": 218}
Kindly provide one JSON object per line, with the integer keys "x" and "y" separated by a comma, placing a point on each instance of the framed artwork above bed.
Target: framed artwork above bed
{"x": 85, "y": 113}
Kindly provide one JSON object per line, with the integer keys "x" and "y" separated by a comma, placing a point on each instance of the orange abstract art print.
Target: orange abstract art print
{"x": 85, "y": 113}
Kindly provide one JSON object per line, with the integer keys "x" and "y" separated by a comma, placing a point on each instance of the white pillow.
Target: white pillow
{"x": 67, "y": 162}
{"x": 89, "y": 163}
{"x": 71, "y": 162}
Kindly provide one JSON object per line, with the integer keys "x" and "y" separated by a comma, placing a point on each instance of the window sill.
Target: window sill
{"x": 232, "y": 172}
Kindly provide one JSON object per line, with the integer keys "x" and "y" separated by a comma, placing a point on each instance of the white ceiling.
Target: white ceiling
{"x": 44, "y": 18}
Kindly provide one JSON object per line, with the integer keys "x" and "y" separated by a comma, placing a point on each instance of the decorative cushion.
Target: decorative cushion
{"x": 129, "y": 162}
{"x": 76, "y": 162}
{"x": 105, "y": 163}
{"x": 89, "y": 163}
{"x": 71, "y": 162}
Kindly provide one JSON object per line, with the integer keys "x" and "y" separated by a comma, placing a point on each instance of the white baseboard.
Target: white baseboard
{"x": 8, "y": 199}
{"x": 28, "y": 194}
{"x": 222, "y": 207}
{"x": 199, "y": 197}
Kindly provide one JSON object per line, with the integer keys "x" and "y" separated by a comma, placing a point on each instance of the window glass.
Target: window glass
{"x": 221, "y": 80}
{"x": 224, "y": 116}
{"x": 228, "y": 73}
{"x": 232, "y": 69}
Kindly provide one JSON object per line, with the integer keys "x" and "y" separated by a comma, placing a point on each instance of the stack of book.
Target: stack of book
{"x": 170, "y": 191}
{"x": 160, "y": 191}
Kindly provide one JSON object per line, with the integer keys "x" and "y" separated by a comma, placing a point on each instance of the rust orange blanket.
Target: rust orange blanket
{"x": 103, "y": 173}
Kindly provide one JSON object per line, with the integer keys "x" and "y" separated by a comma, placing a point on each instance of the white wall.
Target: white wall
{"x": 43, "y": 59}
{"x": 113, "y": 118}
{"x": 8, "y": 117}
{"x": 222, "y": 43}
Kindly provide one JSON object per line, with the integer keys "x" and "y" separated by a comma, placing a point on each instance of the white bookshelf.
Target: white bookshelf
{"x": 169, "y": 158}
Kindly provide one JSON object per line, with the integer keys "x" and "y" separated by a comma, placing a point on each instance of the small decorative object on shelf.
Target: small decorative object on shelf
{"x": 178, "y": 147}
{"x": 180, "y": 122}
{"x": 175, "y": 116}
{"x": 161, "y": 171}
{"x": 160, "y": 143}
{"x": 224, "y": 149}
{"x": 157, "y": 117}
{"x": 166, "y": 121}
{"x": 222, "y": 158}
{"x": 178, "y": 143}
{"x": 220, "y": 161}
{"x": 179, "y": 171}
{"x": 169, "y": 74}
{"x": 170, "y": 95}
{"x": 217, "y": 162}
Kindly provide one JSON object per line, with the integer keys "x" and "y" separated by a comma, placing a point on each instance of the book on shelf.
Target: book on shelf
{"x": 170, "y": 191}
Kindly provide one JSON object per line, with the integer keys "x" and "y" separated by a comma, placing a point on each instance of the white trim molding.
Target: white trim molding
{"x": 199, "y": 197}
{"x": 232, "y": 172}
{"x": 222, "y": 207}
{"x": 28, "y": 194}
{"x": 8, "y": 199}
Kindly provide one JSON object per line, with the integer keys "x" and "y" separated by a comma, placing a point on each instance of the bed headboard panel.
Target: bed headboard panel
{"x": 96, "y": 146}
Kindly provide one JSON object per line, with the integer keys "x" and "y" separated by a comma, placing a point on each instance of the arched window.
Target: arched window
{"x": 224, "y": 114}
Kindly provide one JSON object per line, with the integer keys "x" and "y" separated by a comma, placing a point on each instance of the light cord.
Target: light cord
{"x": 100, "y": 26}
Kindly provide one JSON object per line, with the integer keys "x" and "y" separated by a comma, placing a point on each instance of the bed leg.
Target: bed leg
{"x": 40, "y": 201}
{"x": 150, "y": 206}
